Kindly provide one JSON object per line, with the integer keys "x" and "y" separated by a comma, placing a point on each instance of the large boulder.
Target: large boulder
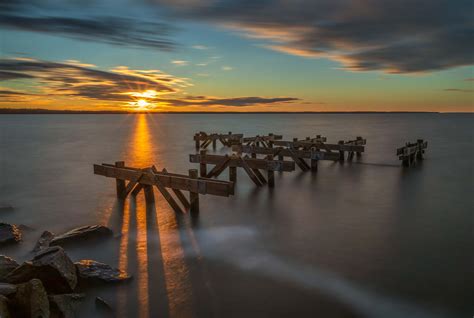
{"x": 82, "y": 233}
{"x": 9, "y": 233}
{"x": 43, "y": 242}
{"x": 7, "y": 265}
{"x": 4, "y": 307}
{"x": 7, "y": 289}
{"x": 95, "y": 272}
{"x": 52, "y": 266}
{"x": 31, "y": 300}
{"x": 65, "y": 305}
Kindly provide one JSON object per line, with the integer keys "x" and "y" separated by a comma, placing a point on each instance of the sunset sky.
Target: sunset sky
{"x": 224, "y": 55}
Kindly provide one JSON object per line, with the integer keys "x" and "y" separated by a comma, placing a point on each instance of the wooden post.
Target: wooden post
{"x": 358, "y": 153}
{"x": 341, "y": 152}
{"x": 253, "y": 155}
{"x": 270, "y": 174}
{"x": 194, "y": 196}
{"x": 314, "y": 161}
{"x": 197, "y": 143}
{"x": 214, "y": 144}
{"x": 120, "y": 183}
{"x": 149, "y": 195}
{"x": 419, "y": 153}
{"x": 202, "y": 165}
{"x": 233, "y": 174}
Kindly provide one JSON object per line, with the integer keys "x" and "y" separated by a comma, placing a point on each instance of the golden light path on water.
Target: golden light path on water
{"x": 178, "y": 286}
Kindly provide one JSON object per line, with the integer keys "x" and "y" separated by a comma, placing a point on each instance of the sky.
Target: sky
{"x": 226, "y": 55}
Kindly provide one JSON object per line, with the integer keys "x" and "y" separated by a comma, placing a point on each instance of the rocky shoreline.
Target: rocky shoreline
{"x": 50, "y": 284}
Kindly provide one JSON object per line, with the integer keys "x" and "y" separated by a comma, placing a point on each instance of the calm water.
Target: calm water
{"x": 361, "y": 239}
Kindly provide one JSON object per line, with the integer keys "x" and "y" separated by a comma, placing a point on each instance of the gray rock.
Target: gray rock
{"x": 9, "y": 233}
{"x": 82, "y": 233}
{"x": 52, "y": 266}
{"x": 31, "y": 300}
{"x": 65, "y": 305}
{"x": 7, "y": 265}
{"x": 7, "y": 289}
{"x": 92, "y": 271}
{"x": 4, "y": 307}
{"x": 43, "y": 241}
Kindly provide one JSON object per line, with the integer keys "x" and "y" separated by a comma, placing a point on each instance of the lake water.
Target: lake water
{"x": 361, "y": 239}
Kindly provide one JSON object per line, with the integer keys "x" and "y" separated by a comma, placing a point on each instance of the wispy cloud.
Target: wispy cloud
{"x": 120, "y": 85}
{"x": 391, "y": 36}
{"x": 180, "y": 62}
{"x": 70, "y": 19}
{"x": 227, "y": 68}
{"x": 200, "y": 47}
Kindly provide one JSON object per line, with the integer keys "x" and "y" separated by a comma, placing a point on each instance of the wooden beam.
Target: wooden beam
{"x": 120, "y": 184}
{"x": 194, "y": 195}
{"x": 262, "y": 164}
{"x": 169, "y": 180}
{"x": 285, "y": 152}
{"x": 303, "y": 143}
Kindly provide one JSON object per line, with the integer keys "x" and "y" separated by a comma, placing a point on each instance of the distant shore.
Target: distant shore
{"x": 27, "y": 111}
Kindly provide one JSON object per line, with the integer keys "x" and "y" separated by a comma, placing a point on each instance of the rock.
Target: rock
{"x": 43, "y": 241}
{"x": 93, "y": 271}
{"x": 4, "y": 304}
{"x": 65, "y": 305}
{"x": 103, "y": 306}
{"x": 7, "y": 265}
{"x": 82, "y": 233}
{"x": 52, "y": 266}
{"x": 7, "y": 290}
{"x": 9, "y": 233}
{"x": 31, "y": 300}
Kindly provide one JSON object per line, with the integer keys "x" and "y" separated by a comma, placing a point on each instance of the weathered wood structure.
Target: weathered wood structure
{"x": 251, "y": 166}
{"x": 147, "y": 178}
{"x": 412, "y": 152}
{"x": 341, "y": 147}
{"x": 297, "y": 155}
{"x": 265, "y": 141}
{"x": 203, "y": 140}
{"x": 359, "y": 141}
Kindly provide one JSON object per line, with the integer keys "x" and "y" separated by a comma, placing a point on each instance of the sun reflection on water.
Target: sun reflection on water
{"x": 176, "y": 277}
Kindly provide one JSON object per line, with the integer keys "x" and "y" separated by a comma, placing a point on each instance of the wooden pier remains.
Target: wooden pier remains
{"x": 307, "y": 143}
{"x": 251, "y": 166}
{"x": 265, "y": 141}
{"x": 412, "y": 152}
{"x": 297, "y": 155}
{"x": 359, "y": 141}
{"x": 147, "y": 178}
{"x": 203, "y": 140}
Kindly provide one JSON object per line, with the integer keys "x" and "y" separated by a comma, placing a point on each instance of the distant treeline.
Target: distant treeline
{"x": 51, "y": 111}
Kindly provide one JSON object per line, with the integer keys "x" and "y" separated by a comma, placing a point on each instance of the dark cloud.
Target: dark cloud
{"x": 75, "y": 80}
{"x": 236, "y": 101}
{"x": 81, "y": 80}
{"x": 459, "y": 90}
{"x": 402, "y": 36}
{"x": 71, "y": 20}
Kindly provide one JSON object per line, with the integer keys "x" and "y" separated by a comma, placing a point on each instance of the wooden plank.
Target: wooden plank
{"x": 120, "y": 184}
{"x": 250, "y": 172}
{"x": 264, "y": 138}
{"x": 285, "y": 152}
{"x": 181, "y": 197}
{"x": 218, "y": 168}
{"x": 304, "y": 143}
{"x": 261, "y": 164}
{"x": 260, "y": 176}
{"x": 131, "y": 185}
{"x": 181, "y": 182}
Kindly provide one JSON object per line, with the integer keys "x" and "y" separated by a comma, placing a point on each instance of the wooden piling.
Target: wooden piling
{"x": 202, "y": 165}
{"x": 149, "y": 195}
{"x": 314, "y": 161}
{"x": 194, "y": 196}
{"x": 341, "y": 152}
{"x": 233, "y": 174}
{"x": 120, "y": 184}
{"x": 270, "y": 174}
